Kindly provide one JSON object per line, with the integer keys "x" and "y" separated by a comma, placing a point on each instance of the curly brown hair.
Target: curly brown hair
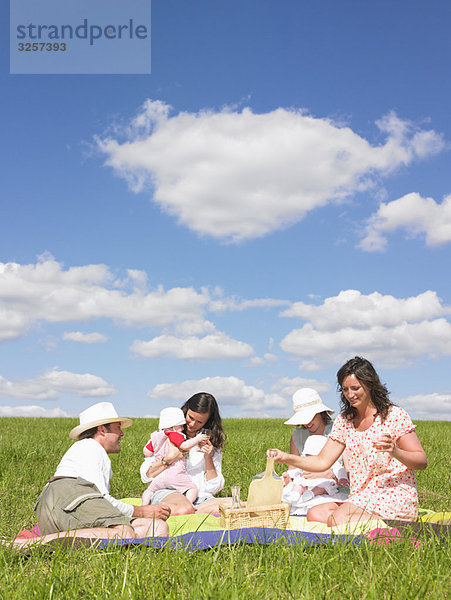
{"x": 366, "y": 374}
{"x": 204, "y": 403}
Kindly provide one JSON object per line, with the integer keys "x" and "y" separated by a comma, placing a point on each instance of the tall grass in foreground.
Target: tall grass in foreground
{"x": 31, "y": 448}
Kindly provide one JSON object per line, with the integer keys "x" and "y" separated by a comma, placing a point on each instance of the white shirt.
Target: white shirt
{"x": 89, "y": 460}
{"x": 195, "y": 467}
{"x": 299, "y": 437}
{"x": 300, "y": 434}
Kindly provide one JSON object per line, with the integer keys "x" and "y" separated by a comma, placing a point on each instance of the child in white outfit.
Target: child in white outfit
{"x": 301, "y": 491}
{"x": 174, "y": 477}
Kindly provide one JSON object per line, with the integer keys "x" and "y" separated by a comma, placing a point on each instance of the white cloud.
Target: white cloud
{"x": 428, "y": 406}
{"x": 390, "y": 330}
{"x": 32, "y": 411}
{"x": 214, "y": 346}
{"x": 235, "y": 304}
{"x": 45, "y": 291}
{"x": 256, "y": 361}
{"x": 138, "y": 279}
{"x": 229, "y": 391}
{"x": 416, "y": 215}
{"x": 14, "y": 321}
{"x": 288, "y": 385}
{"x": 85, "y": 338}
{"x": 354, "y": 309}
{"x": 192, "y": 328}
{"x": 53, "y": 383}
{"x": 391, "y": 346}
{"x": 239, "y": 175}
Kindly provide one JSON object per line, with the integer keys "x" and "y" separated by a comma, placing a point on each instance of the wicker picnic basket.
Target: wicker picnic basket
{"x": 275, "y": 516}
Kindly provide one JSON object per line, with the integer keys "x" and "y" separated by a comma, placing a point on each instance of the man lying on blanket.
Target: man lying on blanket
{"x": 76, "y": 503}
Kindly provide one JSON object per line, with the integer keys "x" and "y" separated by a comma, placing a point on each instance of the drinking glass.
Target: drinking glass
{"x": 381, "y": 457}
{"x": 236, "y": 502}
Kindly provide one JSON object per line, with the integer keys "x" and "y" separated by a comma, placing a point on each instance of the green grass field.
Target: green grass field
{"x": 31, "y": 448}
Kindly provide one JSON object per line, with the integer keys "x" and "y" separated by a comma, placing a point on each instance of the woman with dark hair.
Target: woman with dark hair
{"x": 204, "y": 462}
{"x": 364, "y": 371}
{"x": 204, "y": 404}
{"x": 382, "y": 448}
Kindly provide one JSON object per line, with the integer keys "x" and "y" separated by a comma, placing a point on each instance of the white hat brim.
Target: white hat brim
{"x": 77, "y": 431}
{"x": 303, "y": 417}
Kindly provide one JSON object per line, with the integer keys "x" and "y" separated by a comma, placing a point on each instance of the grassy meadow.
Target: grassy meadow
{"x": 31, "y": 448}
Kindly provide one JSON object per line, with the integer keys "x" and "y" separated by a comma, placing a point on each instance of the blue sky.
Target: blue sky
{"x": 273, "y": 199}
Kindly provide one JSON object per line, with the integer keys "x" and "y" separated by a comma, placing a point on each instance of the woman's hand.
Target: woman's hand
{"x": 318, "y": 464}
{"x": 407, "y": 449}
{"x": 277, "y": 455}
{"x": 210, "y": 471}
{"x": 384, "y": 443}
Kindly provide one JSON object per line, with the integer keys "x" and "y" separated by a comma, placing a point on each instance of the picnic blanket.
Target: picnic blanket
{"x": 202, "y": 531}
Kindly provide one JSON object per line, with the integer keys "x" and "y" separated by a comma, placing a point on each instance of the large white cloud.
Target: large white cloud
{"x": 213, "y": 346}
{"x": 416, "y": 215}
{"x": 45, "y": 291}
{"x": 354, "y": 309}
{"x": 239, "y": 175}
{"x": 53, "y": 383}
{"x": 32, "y": 411}
{"x": 229, "y": 391}
{"x": 432, "y": 407}
{"x": 383, "y": 328}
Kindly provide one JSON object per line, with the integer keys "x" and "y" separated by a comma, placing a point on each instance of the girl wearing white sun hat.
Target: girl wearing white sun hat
{"x": 311, "y": 417}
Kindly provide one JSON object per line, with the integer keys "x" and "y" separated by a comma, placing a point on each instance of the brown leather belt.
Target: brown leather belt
{"x": 60, "y": 477}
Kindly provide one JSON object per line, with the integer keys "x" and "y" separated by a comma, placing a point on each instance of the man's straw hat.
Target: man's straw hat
{"x": 98, "y": 414}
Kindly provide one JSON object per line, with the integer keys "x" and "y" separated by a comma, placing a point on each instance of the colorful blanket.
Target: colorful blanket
{"x": 201, "y": 531}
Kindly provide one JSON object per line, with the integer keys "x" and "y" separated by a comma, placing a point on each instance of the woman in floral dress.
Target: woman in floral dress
{"x": 382, "y": 447}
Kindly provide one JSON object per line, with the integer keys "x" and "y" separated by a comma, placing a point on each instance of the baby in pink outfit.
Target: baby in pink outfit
{"x": 174, "y": 477}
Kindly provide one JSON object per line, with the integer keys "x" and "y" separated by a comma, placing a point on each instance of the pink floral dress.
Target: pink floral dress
{"x": 379, "y": 483}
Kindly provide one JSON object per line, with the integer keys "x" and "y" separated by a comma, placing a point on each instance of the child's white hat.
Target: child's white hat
{"x": 314, "y": 444}
{"x": 170, "y": 417}
{"x": 306, "y": 404}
